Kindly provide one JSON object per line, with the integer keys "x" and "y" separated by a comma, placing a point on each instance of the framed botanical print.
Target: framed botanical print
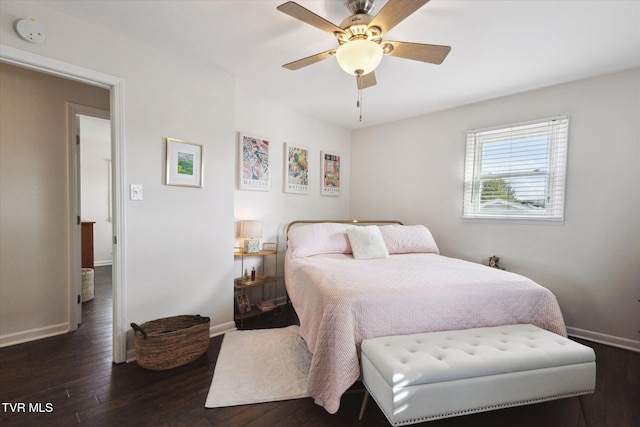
{"x": 296, "y": 169}
{"x": 254, "y": 171}
{"x": 330, "y": 174}
{"x": 184, "y": 163}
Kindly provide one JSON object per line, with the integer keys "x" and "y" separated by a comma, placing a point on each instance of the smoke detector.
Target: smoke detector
{"x": 30, "y": 30}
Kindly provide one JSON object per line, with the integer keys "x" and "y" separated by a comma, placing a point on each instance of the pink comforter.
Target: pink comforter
{"x": 342, "y": 301}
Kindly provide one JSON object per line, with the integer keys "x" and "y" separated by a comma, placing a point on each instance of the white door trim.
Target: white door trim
{"x": 116, "y": 88}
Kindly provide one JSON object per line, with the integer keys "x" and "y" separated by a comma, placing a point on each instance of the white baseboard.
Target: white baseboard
{"x": 221, "y": 329}
{"x": 102, "y": 263}
{"x": 611, "y": 340}
{"x": 214, "y": 330}
{"x": 33, "y": 334}
{"x": 131, "y": 355}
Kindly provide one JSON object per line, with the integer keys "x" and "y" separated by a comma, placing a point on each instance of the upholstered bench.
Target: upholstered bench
{"x": 422, "y": 377}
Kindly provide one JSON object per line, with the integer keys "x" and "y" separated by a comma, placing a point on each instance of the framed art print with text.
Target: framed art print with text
{"x": 296, "y": 169}
{"x": 254, "y": 172}
{"x": 330, "y": 174}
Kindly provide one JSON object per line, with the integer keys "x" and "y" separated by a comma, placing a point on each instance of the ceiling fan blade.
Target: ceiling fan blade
{"x": 366, "y": 81}
{"x": 296, "y": 65}
{"x": 394, "y": 12}
{"x": 305, "y": 15}
{"x": 431, "y": 53}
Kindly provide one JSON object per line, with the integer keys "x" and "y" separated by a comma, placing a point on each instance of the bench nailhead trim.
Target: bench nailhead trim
{"x": 484, "y": 408}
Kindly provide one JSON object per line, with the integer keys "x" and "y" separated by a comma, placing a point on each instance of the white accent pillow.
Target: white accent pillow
{"x": 315, "y": 239}
{"x": 404, "y": 239}
{"x": 367, "y": 242}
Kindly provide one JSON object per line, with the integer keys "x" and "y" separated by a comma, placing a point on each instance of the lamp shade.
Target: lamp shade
{"x": 251, "y": 229}
{"x": 359, "y": 57}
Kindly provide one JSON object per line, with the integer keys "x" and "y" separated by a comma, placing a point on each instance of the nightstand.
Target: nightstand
{"x": 266, "y": 275}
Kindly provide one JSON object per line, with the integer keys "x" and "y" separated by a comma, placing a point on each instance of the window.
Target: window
{"x": 517, "y": 171}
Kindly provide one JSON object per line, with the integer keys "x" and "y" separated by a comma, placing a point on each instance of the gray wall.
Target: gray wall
{"x": 592, "y": 261}
{"x": 34, "y": 206}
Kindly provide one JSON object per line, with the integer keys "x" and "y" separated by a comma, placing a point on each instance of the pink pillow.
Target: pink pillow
{"x": 322, "y": 238}
{"x": 404, "y": 239}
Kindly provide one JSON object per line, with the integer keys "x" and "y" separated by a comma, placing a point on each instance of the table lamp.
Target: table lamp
{"x": 251, "y": 231}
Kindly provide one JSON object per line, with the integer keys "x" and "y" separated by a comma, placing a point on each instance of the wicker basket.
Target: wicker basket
{"x": 88, "y": 284}
{"x": 172, "y": 341}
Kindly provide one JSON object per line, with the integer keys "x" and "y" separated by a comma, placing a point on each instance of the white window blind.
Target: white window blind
{"x": 517, "y": 171}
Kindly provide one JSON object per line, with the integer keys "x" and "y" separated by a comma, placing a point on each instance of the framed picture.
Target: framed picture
{"x": 296, "y": 169}
{"x": 184, "y": 163}
{"x": 244, "y": 306}
{"x": 254, "y": 170}
{"x": 330, "y": 174}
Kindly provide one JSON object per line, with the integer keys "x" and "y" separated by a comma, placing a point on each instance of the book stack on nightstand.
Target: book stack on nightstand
{"x": 265, "y": 305}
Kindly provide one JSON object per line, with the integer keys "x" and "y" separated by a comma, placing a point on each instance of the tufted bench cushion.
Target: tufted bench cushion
{"x": 422, "y": 377}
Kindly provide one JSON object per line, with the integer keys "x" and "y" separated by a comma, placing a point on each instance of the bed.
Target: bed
{"x": 348, "y": 283}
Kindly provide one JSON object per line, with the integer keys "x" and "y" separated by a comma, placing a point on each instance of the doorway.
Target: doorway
{"x": 91, "y": 169}
{"x": 115, "y": 86}
{"x": 96, "y": 184}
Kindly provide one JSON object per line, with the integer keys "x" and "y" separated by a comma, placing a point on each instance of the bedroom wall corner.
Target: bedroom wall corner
{"x": 592, "y": 261}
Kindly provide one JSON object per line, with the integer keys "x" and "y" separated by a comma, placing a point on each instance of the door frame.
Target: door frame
{"x": 115, "y": 85}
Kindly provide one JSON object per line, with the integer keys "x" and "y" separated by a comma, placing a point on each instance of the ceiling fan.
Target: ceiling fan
{"x": 359, "y": 36}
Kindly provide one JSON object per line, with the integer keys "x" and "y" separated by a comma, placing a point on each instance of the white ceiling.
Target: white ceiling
{"x": 498, "y": 48}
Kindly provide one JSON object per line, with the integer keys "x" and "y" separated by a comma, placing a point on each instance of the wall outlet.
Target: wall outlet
{"x": 136, "y": 192}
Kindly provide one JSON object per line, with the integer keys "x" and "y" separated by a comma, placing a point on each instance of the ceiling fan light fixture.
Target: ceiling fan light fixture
{"x": 359, "y": 57}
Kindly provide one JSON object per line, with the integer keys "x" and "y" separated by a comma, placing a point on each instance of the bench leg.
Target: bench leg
{"x": 582, "y": 411}
{"x": 364, "y": 404}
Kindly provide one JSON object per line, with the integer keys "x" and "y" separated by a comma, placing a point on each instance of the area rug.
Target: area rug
{"x": 262, "y": 365}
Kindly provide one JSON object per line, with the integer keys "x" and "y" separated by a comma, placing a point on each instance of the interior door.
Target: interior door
{"x": 78, "y": 238}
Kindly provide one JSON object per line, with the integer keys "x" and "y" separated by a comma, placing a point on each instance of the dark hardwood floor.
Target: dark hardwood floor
{"x": 70, "y": 379}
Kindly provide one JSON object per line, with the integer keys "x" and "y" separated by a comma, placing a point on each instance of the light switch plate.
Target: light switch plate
{"x": 136, "y": 192}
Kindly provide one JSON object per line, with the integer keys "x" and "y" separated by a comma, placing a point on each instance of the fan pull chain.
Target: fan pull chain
{"x": 359, "y": 102}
